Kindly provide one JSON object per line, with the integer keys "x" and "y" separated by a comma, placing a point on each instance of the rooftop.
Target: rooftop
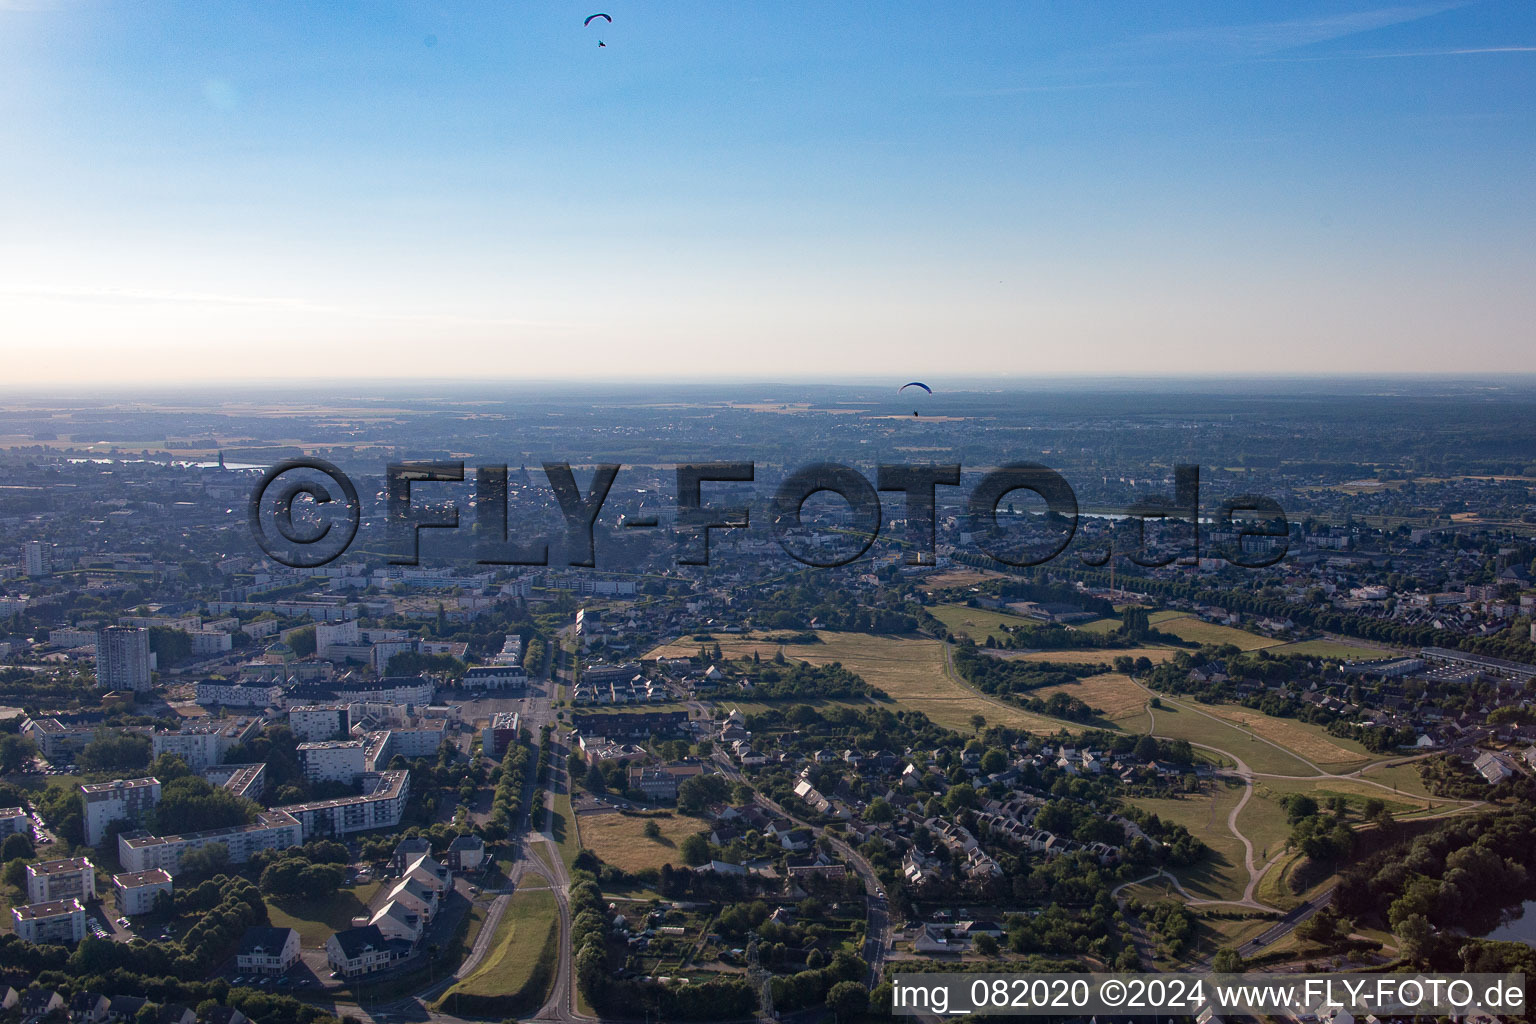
{"x": 53, "y": 908}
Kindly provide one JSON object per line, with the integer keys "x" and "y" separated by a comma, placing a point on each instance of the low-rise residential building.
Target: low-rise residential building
{"x": 495, "y": 677}
{"x": 267, "y": 950}
{"x": 466, "y": 853}
{"x": 137, "y": 890}
{"x": 354, "y": 952}
{"x": 52, "y": 880}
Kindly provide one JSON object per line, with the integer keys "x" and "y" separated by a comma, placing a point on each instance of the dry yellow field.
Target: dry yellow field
{"x": 1156, "y": 655}
{"x": 1310, "y": 741}
{"x": 620, "y": 840}
{"x": 908, "y": 669}
{"x": 1114, "y": 694}
{"x": 957, "y": 578}
{"x": 1199, "y": 631}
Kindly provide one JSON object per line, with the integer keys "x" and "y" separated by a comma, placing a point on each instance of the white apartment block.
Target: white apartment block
{"x": 333, "y": 760}
{"x": 106, "y": 802}
{"x": 273, "y": 830}
{"x": 14, "y": 820}
{"x": 52, "y": 880}
{"x": 330, "y": 635}
{"x": 208, "y": 642}
{"x": 137, "y": 890}
{"x": 247, "y": 780}
{"x": 380, "y": 805}
{"x": 60, "y": 921}
{"x": 203, "y": 745}
{"x": 318, "y": 722}
{"x": 122, "y": 658}
{"x": 69, "y": 637}
{"x": 37, "y": 558}
{"x": 238, "y": 695}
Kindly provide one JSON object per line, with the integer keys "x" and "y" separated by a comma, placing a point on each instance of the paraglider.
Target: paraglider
{"x": 915, "y": 384}
{"x": 593, "y": 17}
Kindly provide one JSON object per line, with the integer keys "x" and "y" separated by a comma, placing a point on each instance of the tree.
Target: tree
{"x": 123, "y": 751}
{"x": 695, "y": 850}
{"x": 169, "y": 767}
{"x": 847, "y": 1000}
{"x": 978, "y": 722}
{"x": 16, "y": 845}
{"x": 16, "y": 874}
{"x": 16, "y": 752}
{"x": 594, "y": 781}
{"x": 303, "y": 642}
{"x": 698, "y": 792}
{"x": 1227, "y": 961}
{"x": 652, "y": 830}
{"x": 960, "y": 797}
{"x": 986, "y": 945}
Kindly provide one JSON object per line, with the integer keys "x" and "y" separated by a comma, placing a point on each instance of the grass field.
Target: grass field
{"x": 620, "y": 840}
{"x": 1175, "y": 721}
{"x": 1330, "y": 649}
{"x": 1199, "y": 631}
{"x": 1312, "y": 742}
{"x": 1224, "y": 874}
{"x": 517, "y": 971}
{"x": 565, "y": 829}
{"x": 1099, "y": 626}
{"x": 977, "y": 623}
{"x": 1399, "y": 803}
{"x": 315, "y": 921}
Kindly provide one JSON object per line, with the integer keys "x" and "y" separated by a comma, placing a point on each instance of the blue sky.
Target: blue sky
{"x": 209, "y": 190}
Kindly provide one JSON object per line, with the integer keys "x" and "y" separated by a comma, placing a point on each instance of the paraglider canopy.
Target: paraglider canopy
{"x": 594, "y": 17}
{"x": 915, "y": 384}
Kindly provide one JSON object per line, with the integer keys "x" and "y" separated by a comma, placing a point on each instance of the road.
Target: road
{"x": 1285, "y": 925}
{"x": 535, "y": 863}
